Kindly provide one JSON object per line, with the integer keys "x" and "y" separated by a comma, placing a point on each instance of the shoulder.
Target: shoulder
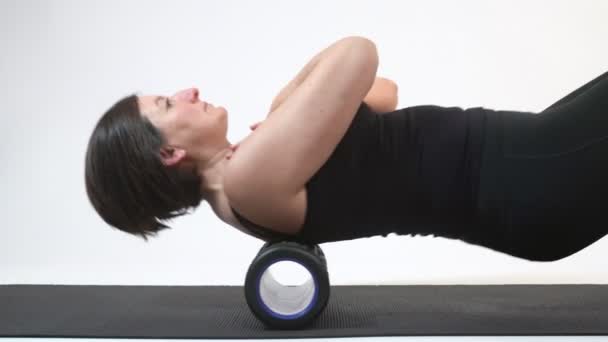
{"x": 220, "y": 205}
{"x": 285, "y": 215}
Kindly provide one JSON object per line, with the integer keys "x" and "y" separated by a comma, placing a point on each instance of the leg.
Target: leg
{"x": 578, "y": 91}
{"x": 558, "y": 166}
{"x": 544, "y": 177}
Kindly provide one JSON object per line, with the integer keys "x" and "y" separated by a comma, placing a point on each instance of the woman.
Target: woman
{"x": 334, "y": 160}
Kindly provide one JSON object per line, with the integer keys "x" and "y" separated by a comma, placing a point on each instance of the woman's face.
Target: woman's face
{"x": 186, "y": 121}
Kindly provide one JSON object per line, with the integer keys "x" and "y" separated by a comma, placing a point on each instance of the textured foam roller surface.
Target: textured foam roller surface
{"x": 352, "y": 311}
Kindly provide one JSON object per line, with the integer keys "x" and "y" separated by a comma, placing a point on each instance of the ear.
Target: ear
{"x": 171, "y": 155}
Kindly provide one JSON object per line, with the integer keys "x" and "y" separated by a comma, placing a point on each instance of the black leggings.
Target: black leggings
{"x": 544, "y": 177}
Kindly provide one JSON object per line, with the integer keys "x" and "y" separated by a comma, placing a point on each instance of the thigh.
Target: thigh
{"x": 544, "y": 177}
{"x": 564, "y": 128}
{"x": 555, "y": 171}
{"x": 578, "y": 91}
{"x": 556, "y": 206}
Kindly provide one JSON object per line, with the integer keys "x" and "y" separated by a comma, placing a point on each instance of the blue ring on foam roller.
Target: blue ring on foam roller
{"x": 263, "y": 305}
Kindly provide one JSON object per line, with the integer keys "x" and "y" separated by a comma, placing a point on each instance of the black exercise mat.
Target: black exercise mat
{"x": 352, "y": 311}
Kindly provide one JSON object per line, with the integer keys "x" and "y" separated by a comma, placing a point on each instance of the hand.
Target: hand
{"x": 234, "y": 147}
{"x": 383, "y": 97}
{"x": 255, "y": 125}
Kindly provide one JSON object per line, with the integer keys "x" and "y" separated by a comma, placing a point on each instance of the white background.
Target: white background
{"x": 63, "y": 63}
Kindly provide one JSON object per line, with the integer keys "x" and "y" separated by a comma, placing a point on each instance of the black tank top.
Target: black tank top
{"x": 411, "y": 171}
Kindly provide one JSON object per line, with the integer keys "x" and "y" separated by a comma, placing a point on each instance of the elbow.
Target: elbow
{"x": 366, "y": 47}
{"x": 371, "y": 52}
{"x": 362, "y": 41}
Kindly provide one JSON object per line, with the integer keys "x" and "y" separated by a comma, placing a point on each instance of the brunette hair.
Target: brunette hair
{"x": 126, "y": 181}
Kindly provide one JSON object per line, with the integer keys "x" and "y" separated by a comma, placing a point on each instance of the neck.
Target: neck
{"x": 212, "y": 172}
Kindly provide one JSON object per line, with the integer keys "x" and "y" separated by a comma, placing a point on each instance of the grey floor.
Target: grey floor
{"x": 365, "y": 339}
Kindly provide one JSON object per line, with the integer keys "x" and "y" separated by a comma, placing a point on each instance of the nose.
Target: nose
{"x": 190, "y": 94}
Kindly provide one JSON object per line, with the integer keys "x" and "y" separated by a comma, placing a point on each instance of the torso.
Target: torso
{"x": 286, "y": 216}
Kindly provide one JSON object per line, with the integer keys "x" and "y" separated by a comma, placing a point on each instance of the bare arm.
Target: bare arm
{"x": 293, "y": 143}
{"x": 301, "y": 76}
{"x": 294, "y": 83}
{"x": 382, "y": 97}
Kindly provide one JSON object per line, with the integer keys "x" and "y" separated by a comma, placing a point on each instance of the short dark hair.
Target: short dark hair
{"x": 126, "y": 181}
